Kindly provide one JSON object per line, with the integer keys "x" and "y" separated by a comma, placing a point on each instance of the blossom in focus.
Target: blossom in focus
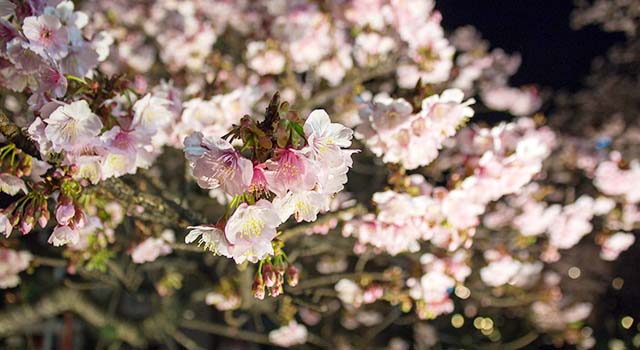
{"x": 212, "y": 238}
{"x": 71, "y": 126}
{"x": 290, "y": 171}
{"x": 216, "y": 163}
{"x": 250, "y": 231}
{"x": 47, "y": 35}
{"x": 63, "y": 235}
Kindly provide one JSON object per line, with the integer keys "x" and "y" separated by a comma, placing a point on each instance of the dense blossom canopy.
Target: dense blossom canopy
{"x": 322, "y": 173}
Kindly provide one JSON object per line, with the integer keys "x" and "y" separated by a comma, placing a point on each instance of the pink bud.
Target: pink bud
{"x": 280, "y": 267}
{"x": 258, "y": 289}
{"x": 43, "y": 220}
{"x": 276, "y": 290}
{"x": 269, "y": 275}
{"x": 73, "y": 169}
{"x": 26, "y": 225}
{"x": 44, "y": 216}
{"x": 293, "y": 275}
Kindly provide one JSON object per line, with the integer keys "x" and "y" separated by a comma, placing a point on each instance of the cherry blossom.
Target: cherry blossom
{"x": 11, "y": 264}
{"x": 250, "y": 231}
{"x": 216, "y": 163}
{"x": 72, "y": 125}
{"x": 616, "y": 244}
{"x": 289, "y": 335}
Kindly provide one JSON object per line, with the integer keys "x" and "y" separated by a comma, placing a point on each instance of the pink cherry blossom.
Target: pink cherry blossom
{"x": 290, "y": 171}
{"x": 12, "y": 262}
{"x": 519, "y": 102}
{"x": 392, "y": 131}
{"x": 71, "y": 126}
{"x": 265, "y": 60}
{"x": 616, "y": 244}
{"x": 63, "y": 235}
{"x": 151, "y": 114}
{"x": 612, "y": 180}
{"x": 47, "y": 35}
{"x": 216, "y": 163}
{"x": 289, "y": 335}
{"x": 211, "y": 237}
{"x": 303, "y": 205}
{"x": 11, "y": 184}
{"x": 64, "y": 213}
{"x": 223, "y": 302}
{"x": 5, "y": 225}
{"x": 152, "y": 248}
{"x": 250, "y": 231}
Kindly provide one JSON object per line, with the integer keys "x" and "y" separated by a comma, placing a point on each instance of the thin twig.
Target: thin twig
{"x": 514, "y": 344}
{"x": 185, "y": 341}
{"x": 224, "y": 331}
{"x": 331, "y": 279}
{"x": 344, "y": 214}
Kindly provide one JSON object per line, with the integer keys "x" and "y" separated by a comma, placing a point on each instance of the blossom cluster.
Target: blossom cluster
{"x": 293, "y": 170}
{"x": 42, "y": 44}
{"x": 447, "y": 210}
{"x": 506, "y": 158}
{"x": 132, "y": 141}
{"x": 394, "y": 132}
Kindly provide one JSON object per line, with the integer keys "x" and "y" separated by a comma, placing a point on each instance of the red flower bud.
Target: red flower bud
{"x": 258, "y": 289}
{"x": 293, "y": 275}
{"x": 269, "y": 275}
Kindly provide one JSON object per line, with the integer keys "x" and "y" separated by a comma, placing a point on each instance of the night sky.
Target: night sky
{"x": 553, "y": 54}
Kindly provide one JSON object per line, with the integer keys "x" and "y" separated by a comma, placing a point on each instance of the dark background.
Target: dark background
{"x": 556, "y": 57}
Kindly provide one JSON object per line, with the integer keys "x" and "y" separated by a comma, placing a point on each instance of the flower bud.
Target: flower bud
{"x": 269, "y": 275}
{"x": 25, "y": 166}
{"x": 276, "y": 290}
{"x": 293, "y": 275}
{"x": 44, "y": 216}
{"x": 26, "y": 225}
{"x": 30, "y": 209}
{"x": 372, "y": 293}
{"x": 280, "y": 267}
{"x": 14, "y": 219}
{"x": 258, "y": 289}
{"x": 73, "y": 169}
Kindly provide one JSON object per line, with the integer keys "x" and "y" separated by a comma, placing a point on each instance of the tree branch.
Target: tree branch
{"x": 344, "y": 214}
{"x": 19, "y": 318}
{"x": 323, "y": 96}
{"x": 14, "y": 135}
{"x": 224, "y": 331}
{"x": 155, "y": 209}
